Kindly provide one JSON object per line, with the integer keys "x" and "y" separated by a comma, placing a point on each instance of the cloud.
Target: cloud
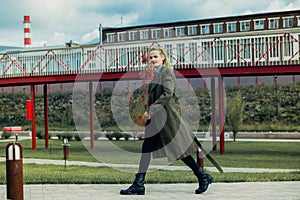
{"x": 58, "y": 38}
{"x": 279, "y": 5}
{"x": 90, "y": 36}
{"x": 58, "y": 21}
{"x": 78, "y": 22}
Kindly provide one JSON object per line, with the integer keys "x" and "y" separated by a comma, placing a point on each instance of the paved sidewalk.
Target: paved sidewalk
{"x": 289, "y": 190}
{"x": 223, "y": 191}
{"x": 216, "y": 191}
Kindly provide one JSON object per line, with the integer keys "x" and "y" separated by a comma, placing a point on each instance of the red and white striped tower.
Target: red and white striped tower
{"x": 27, "y": 31}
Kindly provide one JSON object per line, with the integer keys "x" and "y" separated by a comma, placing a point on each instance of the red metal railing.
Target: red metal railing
{"x": 277, "y": 49}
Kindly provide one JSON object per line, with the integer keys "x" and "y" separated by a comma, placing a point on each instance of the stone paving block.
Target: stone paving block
{"x": 288, "y": 190}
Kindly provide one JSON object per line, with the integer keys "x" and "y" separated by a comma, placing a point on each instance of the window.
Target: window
{"x": 144, "y": 35}
{"x": 274, "y": 46}
{"x": 180, "y": 31}
{"x": 111, "y": 61}
{"x": 231, "y": 27}
{"x": 193, "y": 52}
{"x": 245, "y": 26}
{"x": 133, "y": 35}
{"x": 206, "y": 55}
{"x": 288, "y": 46}
{"x": 259, "y": 44}
{"x": 298, "y": 21}
{"x": 259, "y": 24}
{"x": 156, "y": 33}
{"x": 219, "y": 51}
{"x": 288, "y": 22}
{"x": 122, "y": 56}
{"x": 205, "y": 29}
{"x": 169, "y": 51}
{"x": 232, "y": 51}
{"x": 218, "y": 28}
{"x": 133, "y": 51}
{"x": 110, "y": 37}
{"x": 245, "y": 48}
{"x": 273, "y": 23}
{"x": 180, "y": 52}
{"x": 192, "y": 30}
{"x": 121, "y": 37}
{"x": 168, "y": 32}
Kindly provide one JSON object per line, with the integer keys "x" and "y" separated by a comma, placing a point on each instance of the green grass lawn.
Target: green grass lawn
{"x": 276, "y": 155}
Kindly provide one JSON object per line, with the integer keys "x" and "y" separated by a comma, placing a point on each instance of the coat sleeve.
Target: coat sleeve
{"x": 167, "y": 82}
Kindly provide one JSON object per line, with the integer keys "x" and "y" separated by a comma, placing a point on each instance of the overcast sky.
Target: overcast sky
{"x": 55, "y": 22}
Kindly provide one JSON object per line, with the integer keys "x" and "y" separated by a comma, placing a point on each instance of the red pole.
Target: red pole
{"x": 33, "y": 124}
{"x": 46, "y": 116}
{"x": 91, "y": 115}
{"x": 222, "y": 118}
{"x": 214, "y": 118}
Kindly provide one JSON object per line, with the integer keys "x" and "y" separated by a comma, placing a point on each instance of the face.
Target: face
{"x": 156, "y": 58}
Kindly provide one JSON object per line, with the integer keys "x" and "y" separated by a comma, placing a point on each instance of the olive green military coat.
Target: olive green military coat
{"x": 164, "y": 109}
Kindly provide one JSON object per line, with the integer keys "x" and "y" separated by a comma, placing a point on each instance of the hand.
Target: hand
{"x": 146, "y": 116}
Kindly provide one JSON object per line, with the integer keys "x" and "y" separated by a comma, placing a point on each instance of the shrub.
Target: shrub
{"x": 6, "y": 135}
{"x": 116, "y": 135}
{"x": 59, "y": 136}
{"x": 69, "y": 136}
{"x": 77, "y": 137}
{"x": 109, "y": 136}
{"x": 40, "y": 134}
{"x": 126, "y": 136}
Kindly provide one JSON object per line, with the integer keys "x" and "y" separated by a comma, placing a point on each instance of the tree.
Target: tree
{"x": 235, "y": 107}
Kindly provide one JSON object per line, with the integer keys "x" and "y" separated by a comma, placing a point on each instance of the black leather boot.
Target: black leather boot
{"x": 204, "y": 180}
{"x": 137, "y": 187}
